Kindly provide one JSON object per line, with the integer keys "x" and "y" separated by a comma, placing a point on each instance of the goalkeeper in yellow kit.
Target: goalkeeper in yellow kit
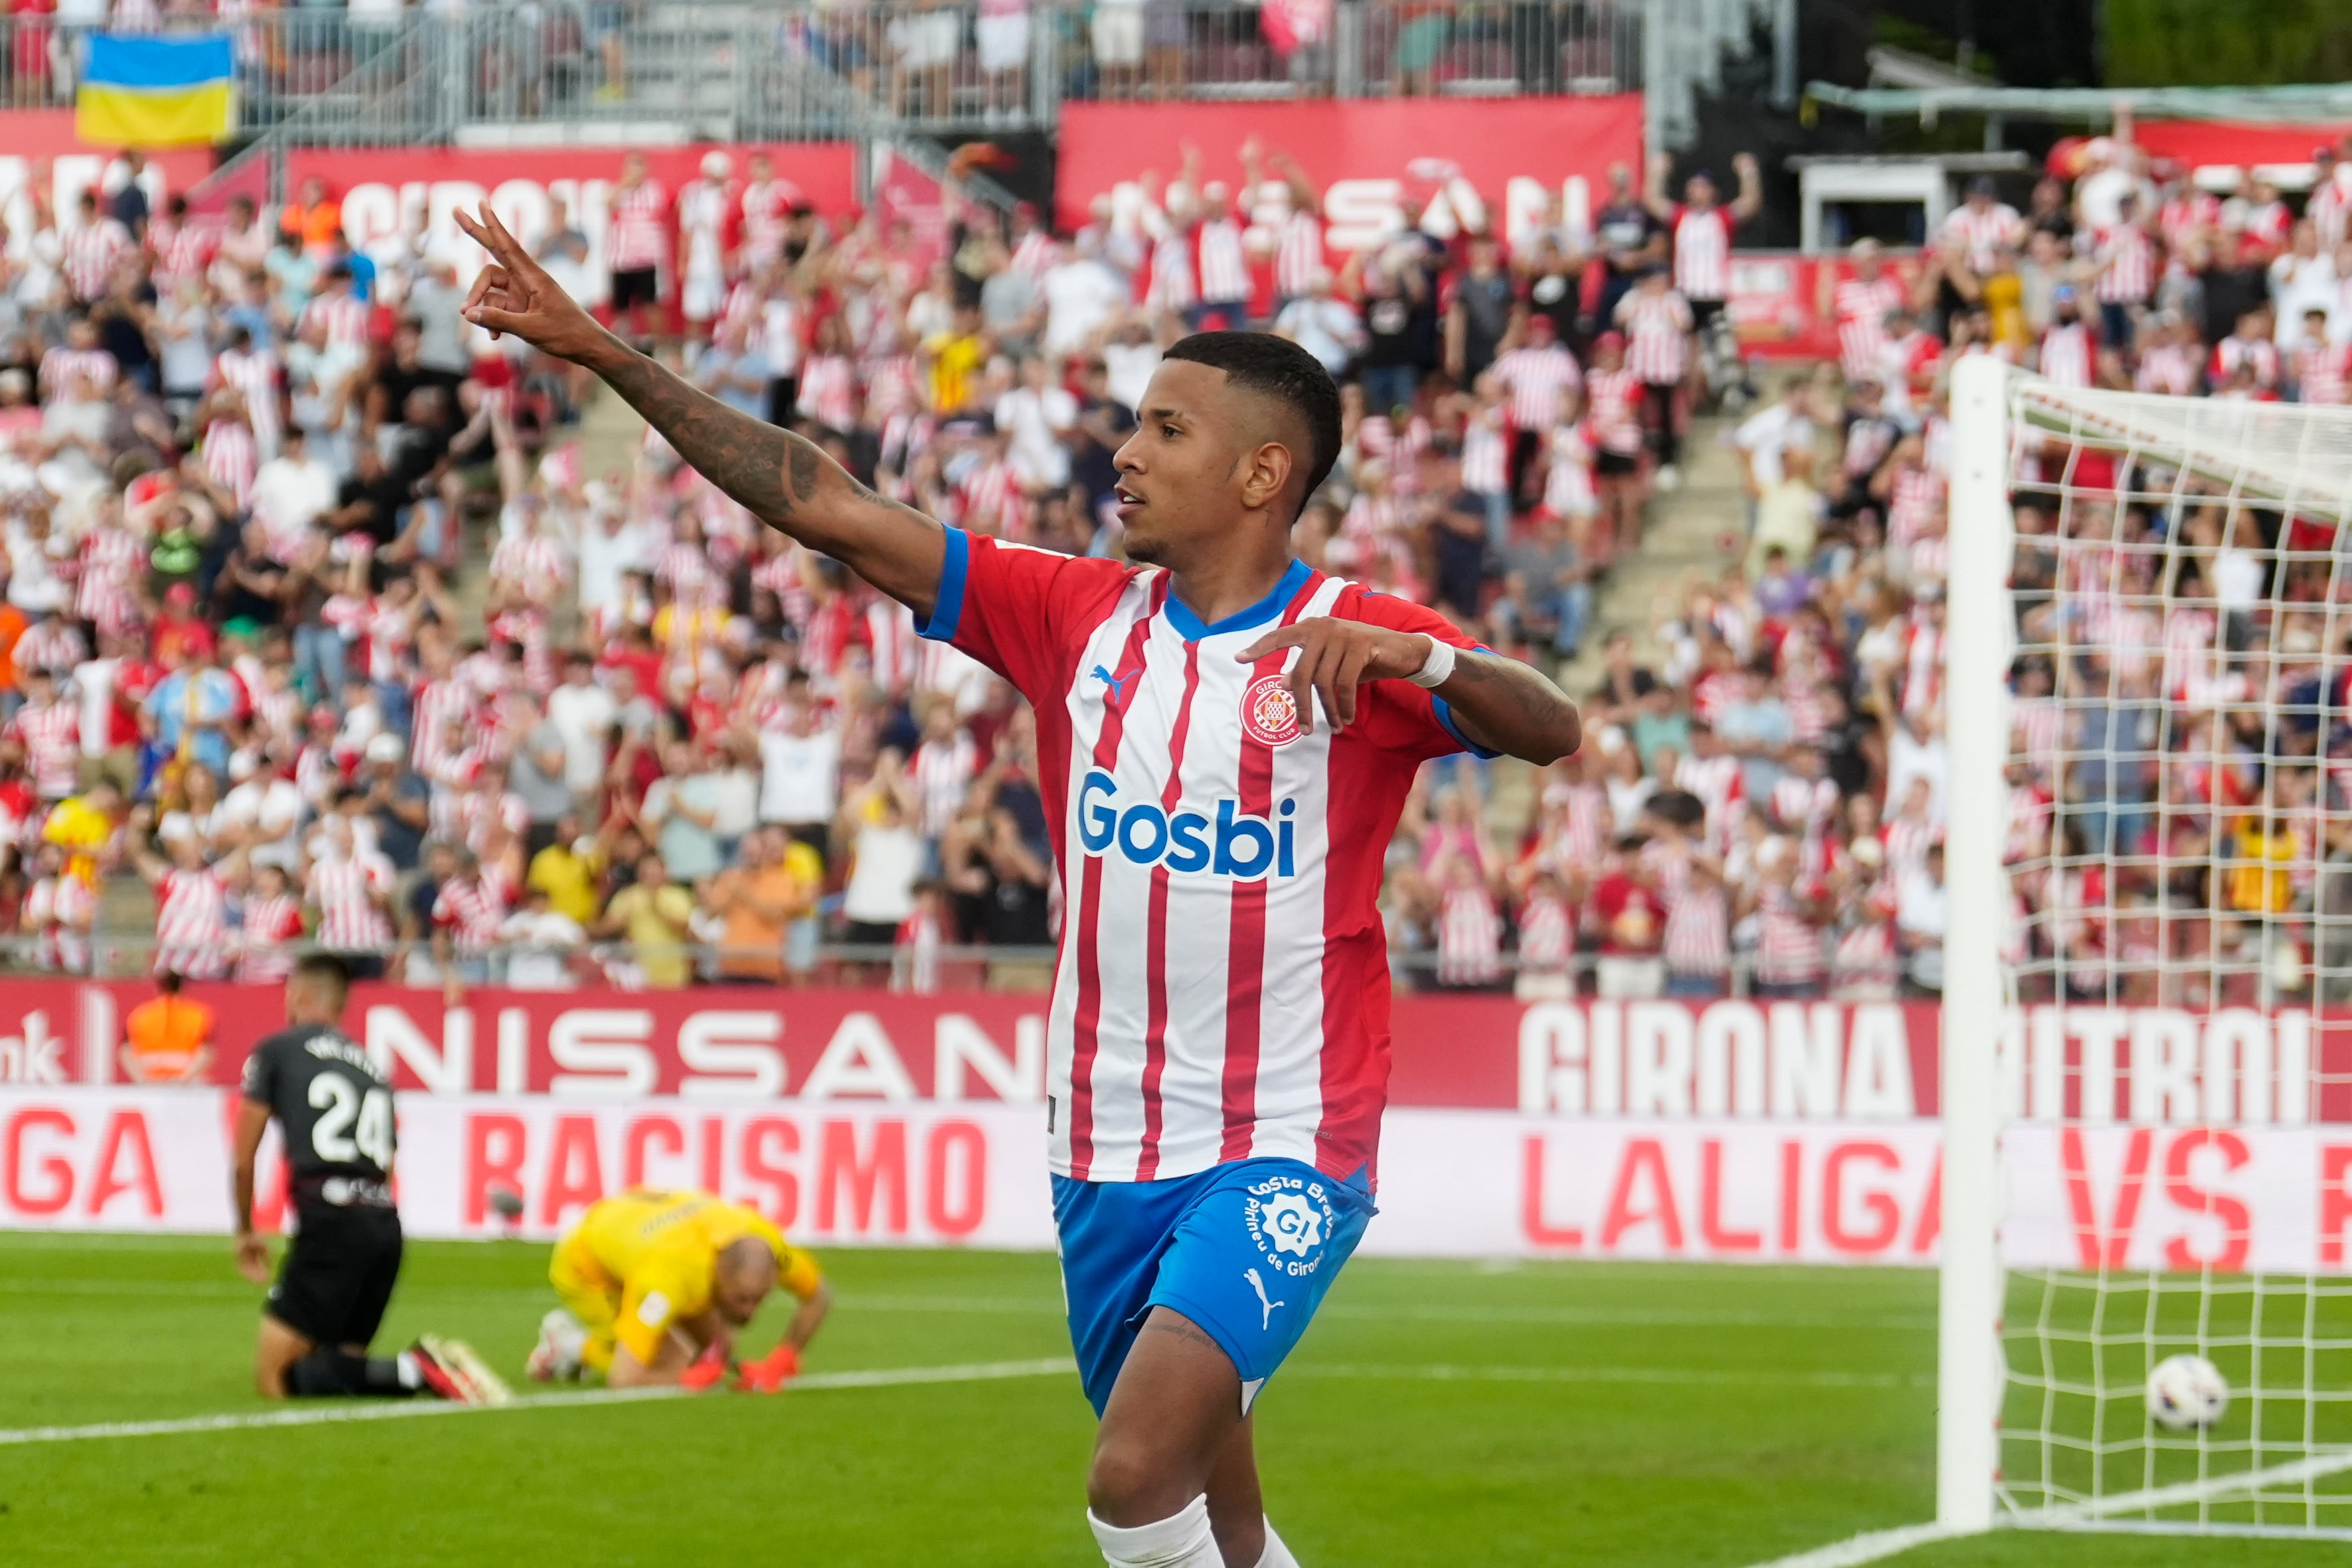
{"x": 655, "y": 1286}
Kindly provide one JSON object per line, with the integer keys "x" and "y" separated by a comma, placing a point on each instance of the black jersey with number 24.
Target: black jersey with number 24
{"x": 334, "y": 1106}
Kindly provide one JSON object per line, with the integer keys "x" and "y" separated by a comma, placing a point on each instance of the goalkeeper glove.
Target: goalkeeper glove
{"x": 704, "y": 1374}
{"x": 770, "y": 1374}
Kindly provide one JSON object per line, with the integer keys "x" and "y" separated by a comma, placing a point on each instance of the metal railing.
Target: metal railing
{"x": 737, "y": 70}
{"x": 596, "y": 966}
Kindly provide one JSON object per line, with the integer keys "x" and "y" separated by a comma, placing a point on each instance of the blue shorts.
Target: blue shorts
{"x": 1245, "y": 1250}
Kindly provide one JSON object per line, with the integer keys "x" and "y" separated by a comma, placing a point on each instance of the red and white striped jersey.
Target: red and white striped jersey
{"x": 1584, "y": 826}
{"x": 345, "y": 893}
{"x": 191, "y": 923}
{"x": 1534, "y": 378}
{"x": 471, "y": 912}
{"x": 2269, "y": 224}
{"x": 2180, "y": 219}
{"x": 1485, "y": 452}
{"x": 255, "y": 374}
{"x": 1703, "y": 252}
{"x": 61, "y": 911}
{"x": 767, "y": 212}
{"x": 943, "y": 772}
{"x": 181, "y": 250}
{"x": 2169, "y": 369}
{"x": 113, "y": 560}
{"x": 2320, "y": 374}
{"x": 1718, "y": 783}
{"x": 59, "y": 365}
{"x": 2068, "y": 353}
{"x": 1035, "y": 254}
{"x": 50, "y": 734}
{"x": 343, "y": 316}
{"x": 1222, "y": 987}
{"x": 1613, "y": 411}
{"x": 91, "y": 251}
{"x": 1546, "y": 934}
{"x": 1697, "y": 937}
{"x": 440, "y": 704}
{"x": 231, "y": 460}
{"x": 1298, "y": 253}
{"x": 54, "y": 645}
{"x": 1788, "y": 943}
{"x": 892, "y": 648}
{"x": 1173, "y": 285}
{"x": 639, "y": 235}
{"x": 2235, "y": 351}
{"x": 1862, "y": 310}
{"x": 1219, "y": 262}
{"x": 2127, "y": 265}
{"x": 1469, "y": 938}
{"x": 1907, "y": 840}
{"x": 1657, "y": 335}
{"x": 1985, "y": 234}
{"x": 829, "y": 390}
{"x": 533, "y": 561}
{"x": 262, "y": 939}
{"x": 2326, "y": 207}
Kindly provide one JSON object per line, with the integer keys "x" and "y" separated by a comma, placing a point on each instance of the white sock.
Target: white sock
{"x": 1180, "y": 1541}
{"x": 1276, "y": 1554}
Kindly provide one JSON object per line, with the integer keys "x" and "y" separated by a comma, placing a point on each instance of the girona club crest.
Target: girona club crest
{"x": 1269, "y": 711}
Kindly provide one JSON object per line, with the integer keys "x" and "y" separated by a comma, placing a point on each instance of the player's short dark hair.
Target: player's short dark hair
{"x": 325, "y": 967}
{"x": 1280, "y": 369}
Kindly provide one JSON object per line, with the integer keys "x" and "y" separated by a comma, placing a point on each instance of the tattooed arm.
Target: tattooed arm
{"x": 783, "y": 478}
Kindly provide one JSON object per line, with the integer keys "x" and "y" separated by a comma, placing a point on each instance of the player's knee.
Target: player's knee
{"x": 1127, "y": 1484}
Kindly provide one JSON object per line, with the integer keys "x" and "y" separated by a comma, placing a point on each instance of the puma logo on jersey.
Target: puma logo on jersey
{"x": 1118, "y": 684}
{"x": 1266, "y": 1308}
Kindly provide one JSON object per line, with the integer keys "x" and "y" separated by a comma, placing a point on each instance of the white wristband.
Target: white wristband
{"x": 1437, "y": 667}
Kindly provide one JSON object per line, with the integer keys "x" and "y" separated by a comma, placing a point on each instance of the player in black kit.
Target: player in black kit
{"x": 335, "y": 1109}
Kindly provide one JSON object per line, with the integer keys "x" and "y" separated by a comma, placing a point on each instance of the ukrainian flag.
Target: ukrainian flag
{"x": 157, "y": 91}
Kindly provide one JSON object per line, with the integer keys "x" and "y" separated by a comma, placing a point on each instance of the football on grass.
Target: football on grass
{"x": 2186, "y": 1392}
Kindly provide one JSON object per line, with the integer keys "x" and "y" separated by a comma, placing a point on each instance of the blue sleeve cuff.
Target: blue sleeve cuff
{"x": 1445, "y": 718}
{"x": 946, "y": 607}
{"x": 1444, "y": 712}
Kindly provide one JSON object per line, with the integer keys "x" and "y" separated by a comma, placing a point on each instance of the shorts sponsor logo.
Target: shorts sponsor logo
{"x": 654, "y": 1310}
{"x": 1289, "y": 1218}
{"x": 1270, "y": 710}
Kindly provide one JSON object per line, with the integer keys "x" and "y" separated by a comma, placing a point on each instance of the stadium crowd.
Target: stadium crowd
{"x": 319, "y": 617}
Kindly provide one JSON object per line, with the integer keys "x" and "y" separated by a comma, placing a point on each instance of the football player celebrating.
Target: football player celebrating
{"x": 655, "y": 1286}
{"x": 334, "y": 1109}
{"x": 1228, "y": 737}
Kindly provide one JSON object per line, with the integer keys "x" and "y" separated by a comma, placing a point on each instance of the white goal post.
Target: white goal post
{"x": 2147, "y": 1081}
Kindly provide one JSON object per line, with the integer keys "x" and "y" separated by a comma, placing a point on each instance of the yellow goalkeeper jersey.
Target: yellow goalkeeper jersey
{"x": 642, "y": 1260}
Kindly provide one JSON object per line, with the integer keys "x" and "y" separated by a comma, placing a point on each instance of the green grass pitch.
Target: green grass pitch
{"x": 1437, "y": 1413}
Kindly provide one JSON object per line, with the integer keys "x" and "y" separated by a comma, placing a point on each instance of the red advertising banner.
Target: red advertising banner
{"x": 389, "y": 192}
{"x": 2218, "y": 148}
{"x": 1508, "y": 159}
{"x": 1461, "y": 1183}
{"x": 1671, "y": 1060}
{"x": 41, "y": 152}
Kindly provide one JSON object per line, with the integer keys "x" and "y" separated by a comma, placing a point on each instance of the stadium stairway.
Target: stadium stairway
{"x": 1694, "y": 532}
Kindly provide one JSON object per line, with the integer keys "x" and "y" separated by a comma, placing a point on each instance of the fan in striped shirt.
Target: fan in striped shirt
{"x": 49, "y": 729}
{"x": 191, "y": 903}
{"x": 268, "y": 924}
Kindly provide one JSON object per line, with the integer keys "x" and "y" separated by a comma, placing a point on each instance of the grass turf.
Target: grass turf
{"x": 1539, "y": 1414}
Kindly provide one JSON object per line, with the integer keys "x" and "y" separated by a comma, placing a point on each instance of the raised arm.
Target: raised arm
{"x": 785, "y": 482}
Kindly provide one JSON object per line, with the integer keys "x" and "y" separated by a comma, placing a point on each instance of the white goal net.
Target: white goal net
{"x": 2148, "y": 1013}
